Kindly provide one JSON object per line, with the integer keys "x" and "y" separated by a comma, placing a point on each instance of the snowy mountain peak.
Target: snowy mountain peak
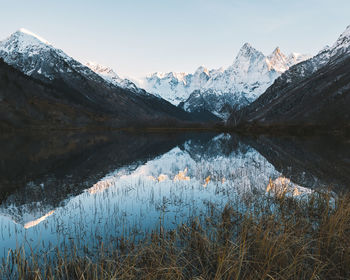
{"x": 31, "y": 34}
{"x": 103, "y": 70}
{"x": 36, "y": 57}
{"x": 343, "y": 42}
{"x": 248, "y": 60}
{"x": 295, "y": 58}
{"x": 178, "y": 76}
{"x": 249, "y": 65}
{"x": 247, "y": 51}
{"x": 23, "y": 41}
{"x": 346, "y": 33}
{"x": 277, "y": 52}
{"x": 109, "y": 75}
{"x": 241, "y": 83}
{"x": 169, "y": 75}
{"x": 201, "y": 69}
{"x": 277, "y": 61}
{"x": 155, "y": 75}
{"x": 247, "y": 46}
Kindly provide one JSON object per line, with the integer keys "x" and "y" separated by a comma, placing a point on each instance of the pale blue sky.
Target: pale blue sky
{"x": 137, "y": 37}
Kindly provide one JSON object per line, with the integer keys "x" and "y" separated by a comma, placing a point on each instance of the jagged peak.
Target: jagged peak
{"x": 344, "y": 39}
{"x": 201, "y": 69}
{"x": 26, "y": 33}
{"x": 346, "y": 33}
{"x": 162, "y": 75}
{"x": 248, "y": 50}
{"x": 277, "y": 53}
{"x": 277, "y": 50}
{"x": 277, "y": 56}
{"x": 247, "y": 45}
{"x": 102, "y": 70}
{"x": 96, "y": 66}
{"x": 23, "y": 41}
{"x": 159, "y": 75}
{"x": 178, "y": 75}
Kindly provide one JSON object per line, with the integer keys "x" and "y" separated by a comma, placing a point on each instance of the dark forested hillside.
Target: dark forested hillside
{"x": 26, "y": 102}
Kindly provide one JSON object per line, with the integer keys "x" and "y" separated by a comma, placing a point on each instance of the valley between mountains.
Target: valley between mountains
{"x": 42, "y": 87}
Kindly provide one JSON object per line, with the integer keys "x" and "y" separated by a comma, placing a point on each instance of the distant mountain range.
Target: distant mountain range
{"x": 109, "y": 75}
{"x": 221, "y": 90}
{"x": 54, "y": 90}
{"x": 314, "y": 93}
{"x": 42, "y": 87}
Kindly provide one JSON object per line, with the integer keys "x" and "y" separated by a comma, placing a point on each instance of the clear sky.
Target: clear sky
{"x": 137, "y": 37}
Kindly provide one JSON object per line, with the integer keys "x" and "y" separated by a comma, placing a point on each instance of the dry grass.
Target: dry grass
{"x": 279, "y": 237}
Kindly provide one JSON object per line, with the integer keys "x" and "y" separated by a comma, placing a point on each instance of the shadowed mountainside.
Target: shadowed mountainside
{"x": 312, "y": 95}
{"x": 314, "y": 162}
{"x": 322, "y": 101}
{"x": 29, "y": 103}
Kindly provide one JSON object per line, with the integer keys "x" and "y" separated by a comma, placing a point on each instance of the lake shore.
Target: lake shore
{"x": 280, "y": 237}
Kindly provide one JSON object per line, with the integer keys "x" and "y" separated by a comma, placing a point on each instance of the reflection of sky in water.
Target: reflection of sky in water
{"x": 172, "y": 187}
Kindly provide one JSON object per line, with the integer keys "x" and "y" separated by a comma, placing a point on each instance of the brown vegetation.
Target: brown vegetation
{"x": 274, "y": 238}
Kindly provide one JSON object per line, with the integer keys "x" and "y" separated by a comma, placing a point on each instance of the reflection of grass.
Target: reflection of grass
{"x": 280, "y": 237}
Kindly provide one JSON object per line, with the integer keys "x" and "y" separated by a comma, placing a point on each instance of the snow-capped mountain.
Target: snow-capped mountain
{"x": 76, "y": 84}
{"x": 175, "y": 87}
{"x": 111, "y": 76}
{"x": 241, "y": 83}
{"x": 36, "y": 57}
{"x": 289, "y": 100}
{"x": 342, "y": 45}
{"x": 309, "y": 66}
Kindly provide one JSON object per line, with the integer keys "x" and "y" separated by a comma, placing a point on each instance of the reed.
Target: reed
{"x": 278, "y": 237}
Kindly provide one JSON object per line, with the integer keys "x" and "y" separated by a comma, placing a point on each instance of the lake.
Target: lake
{"x": 89, "y": 188}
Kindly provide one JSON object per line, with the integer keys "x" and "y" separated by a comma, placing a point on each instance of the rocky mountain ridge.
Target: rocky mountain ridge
{"x": 74, "y": 85}
{"x": 218, "y": 90}
{"x": 313, "y": 93}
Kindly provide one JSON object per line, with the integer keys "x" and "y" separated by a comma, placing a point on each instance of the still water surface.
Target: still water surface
{"x": 90, "y": 188}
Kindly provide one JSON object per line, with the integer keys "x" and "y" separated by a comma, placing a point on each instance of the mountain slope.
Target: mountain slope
{"x": 224, "y": 89}
{"x": 313, "y": 93}
{"x": 37, "y": 58}
{"x": 110, "y": 76}
{"x": 28, "y": 103}
{"x": 202, "y": 114}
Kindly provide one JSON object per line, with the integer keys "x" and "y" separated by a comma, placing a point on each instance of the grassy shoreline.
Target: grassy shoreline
{"x": 278, "y": 237}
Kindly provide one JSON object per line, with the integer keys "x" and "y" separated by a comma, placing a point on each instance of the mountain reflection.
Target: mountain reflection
{"x": 123, "y": 180}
